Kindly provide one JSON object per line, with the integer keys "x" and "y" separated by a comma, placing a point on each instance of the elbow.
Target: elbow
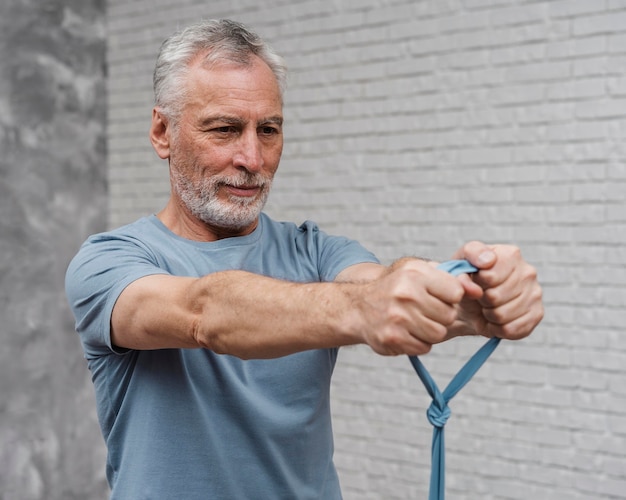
{"x": 231, "y": 343}
{"x": 211, "y": 339}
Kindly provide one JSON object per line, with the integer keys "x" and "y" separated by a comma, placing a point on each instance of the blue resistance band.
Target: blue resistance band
{"x": 438, "y": 411}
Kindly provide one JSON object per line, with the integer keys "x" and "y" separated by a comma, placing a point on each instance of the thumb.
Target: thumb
{"x": 478, "y": 254}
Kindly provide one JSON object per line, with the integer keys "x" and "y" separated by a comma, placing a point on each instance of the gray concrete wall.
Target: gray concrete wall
{"x": 52, "y": 195}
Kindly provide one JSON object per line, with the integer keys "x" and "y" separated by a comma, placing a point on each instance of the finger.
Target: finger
{"x": 426, "y": 286}
{"x": 414, "y": 347}
{"x": 509, "y": 261}
{"x": 472, "y": 290}
{"x": 505, "y": 313}
{"x": 426, "y": 317}
{"x": 522, "y": 279}
{"x": 444, "y": 286}
{"x": 506, "y": 292}
{"x": 517, "y": 329}
{"x": 515, "y": 318}
{"x": 478, "y": 254}
{"x": 433, "y": 330}
{"x": 422, "y": 315}
{"x": 399, "y": 341}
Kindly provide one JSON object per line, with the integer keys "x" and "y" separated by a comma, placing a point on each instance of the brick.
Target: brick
{"x": 519, "y": 14}
{"x": 617, "y": 43}
{"x": 609, "y": 22}
{"x": 577, "y": 47}
{"x": 573, "y": 8}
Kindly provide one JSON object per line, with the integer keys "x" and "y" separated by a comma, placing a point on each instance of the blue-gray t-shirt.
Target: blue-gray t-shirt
{"x": 192, "y": 424}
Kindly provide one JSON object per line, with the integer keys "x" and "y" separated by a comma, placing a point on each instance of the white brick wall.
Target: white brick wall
{"x": 414, "y": 126}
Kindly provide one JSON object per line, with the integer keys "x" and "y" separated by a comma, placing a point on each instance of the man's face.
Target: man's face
{"x": 227, "y": 144}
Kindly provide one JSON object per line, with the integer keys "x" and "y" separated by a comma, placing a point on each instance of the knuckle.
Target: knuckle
{"x": 494, "y": 316}
{"x": 539, "y": 314}
{"x": 531, "y": 272}
{"x": 514, "y": 332}
{"x": 396, "y": 317}
{"x": 449, "y": 317}
{"x": 490, "y": 297}
{"x": 391, "y": 340}
{"x": 516, "y": 252}
{"x": 457, "y": 293}
{"x": 473, "y": 245}
{"x": 537, "y": 294}
{"x": 437, "y": 333}
{"x": 510, "y": 251}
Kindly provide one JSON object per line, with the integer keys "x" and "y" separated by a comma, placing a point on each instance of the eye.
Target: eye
{"x": 268, "y": 130}
{"x": 226, "y": 129}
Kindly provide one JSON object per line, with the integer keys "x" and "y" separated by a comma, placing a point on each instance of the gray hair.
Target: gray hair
{"x": 222, "y": 39}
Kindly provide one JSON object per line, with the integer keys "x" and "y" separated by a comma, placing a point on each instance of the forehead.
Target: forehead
{"x": 252, "y": 87}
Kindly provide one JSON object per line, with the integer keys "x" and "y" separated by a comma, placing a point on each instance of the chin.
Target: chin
{"x": 230, "y": 222}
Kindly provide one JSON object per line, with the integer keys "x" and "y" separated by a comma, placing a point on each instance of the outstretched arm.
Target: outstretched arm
{"x": 403, "y": 309}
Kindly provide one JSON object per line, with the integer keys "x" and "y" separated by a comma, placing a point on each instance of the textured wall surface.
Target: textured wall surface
{"x": 414, "y": 126}
{"x": 52, "y": 195}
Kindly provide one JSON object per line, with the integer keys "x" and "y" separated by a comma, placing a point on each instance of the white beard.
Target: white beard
{"x": 236, "y": 213}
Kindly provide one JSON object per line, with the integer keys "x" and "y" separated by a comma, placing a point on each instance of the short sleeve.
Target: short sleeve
{"x": 336, "y": 253}
{"x": 104, "y": 266}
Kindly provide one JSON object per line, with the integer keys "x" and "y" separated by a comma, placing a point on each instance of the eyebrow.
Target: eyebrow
{"x": 234, "y": 120}
{"x": 277, "y": 120}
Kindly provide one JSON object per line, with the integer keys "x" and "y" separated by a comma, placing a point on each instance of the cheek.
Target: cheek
{"x": 201, "y": 160}
{"x": 272, "y": 158}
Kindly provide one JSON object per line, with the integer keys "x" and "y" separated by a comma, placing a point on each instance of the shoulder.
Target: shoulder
{"x": 327, "y": 254}
{"x": 138, "y": 229}
{"x": 105, "y": 252}
{"x": 137, "y": 237}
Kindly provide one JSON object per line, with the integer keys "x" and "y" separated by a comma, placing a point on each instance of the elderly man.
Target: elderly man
{"x": 211, "y": 330}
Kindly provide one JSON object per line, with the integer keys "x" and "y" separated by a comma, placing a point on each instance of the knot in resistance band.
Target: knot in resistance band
{"x": 438, "y": 411}
{"x": 438, "y": 416}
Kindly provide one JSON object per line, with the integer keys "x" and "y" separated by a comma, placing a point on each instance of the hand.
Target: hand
{"x": 409, "y": 308}
{"x": 504, "y": 298}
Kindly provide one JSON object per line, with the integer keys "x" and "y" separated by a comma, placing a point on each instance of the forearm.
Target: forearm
{"x": 237, "y": 313}
{"x": 253, "y": 316}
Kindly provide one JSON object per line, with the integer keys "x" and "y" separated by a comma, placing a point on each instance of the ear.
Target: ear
{"x": 159, "y": 134}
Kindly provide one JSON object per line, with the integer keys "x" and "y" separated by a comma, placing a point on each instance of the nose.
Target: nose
{"x": 249, "y": 154}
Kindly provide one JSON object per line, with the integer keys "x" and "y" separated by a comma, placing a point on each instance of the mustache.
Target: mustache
{"x": 245, "y": 179}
